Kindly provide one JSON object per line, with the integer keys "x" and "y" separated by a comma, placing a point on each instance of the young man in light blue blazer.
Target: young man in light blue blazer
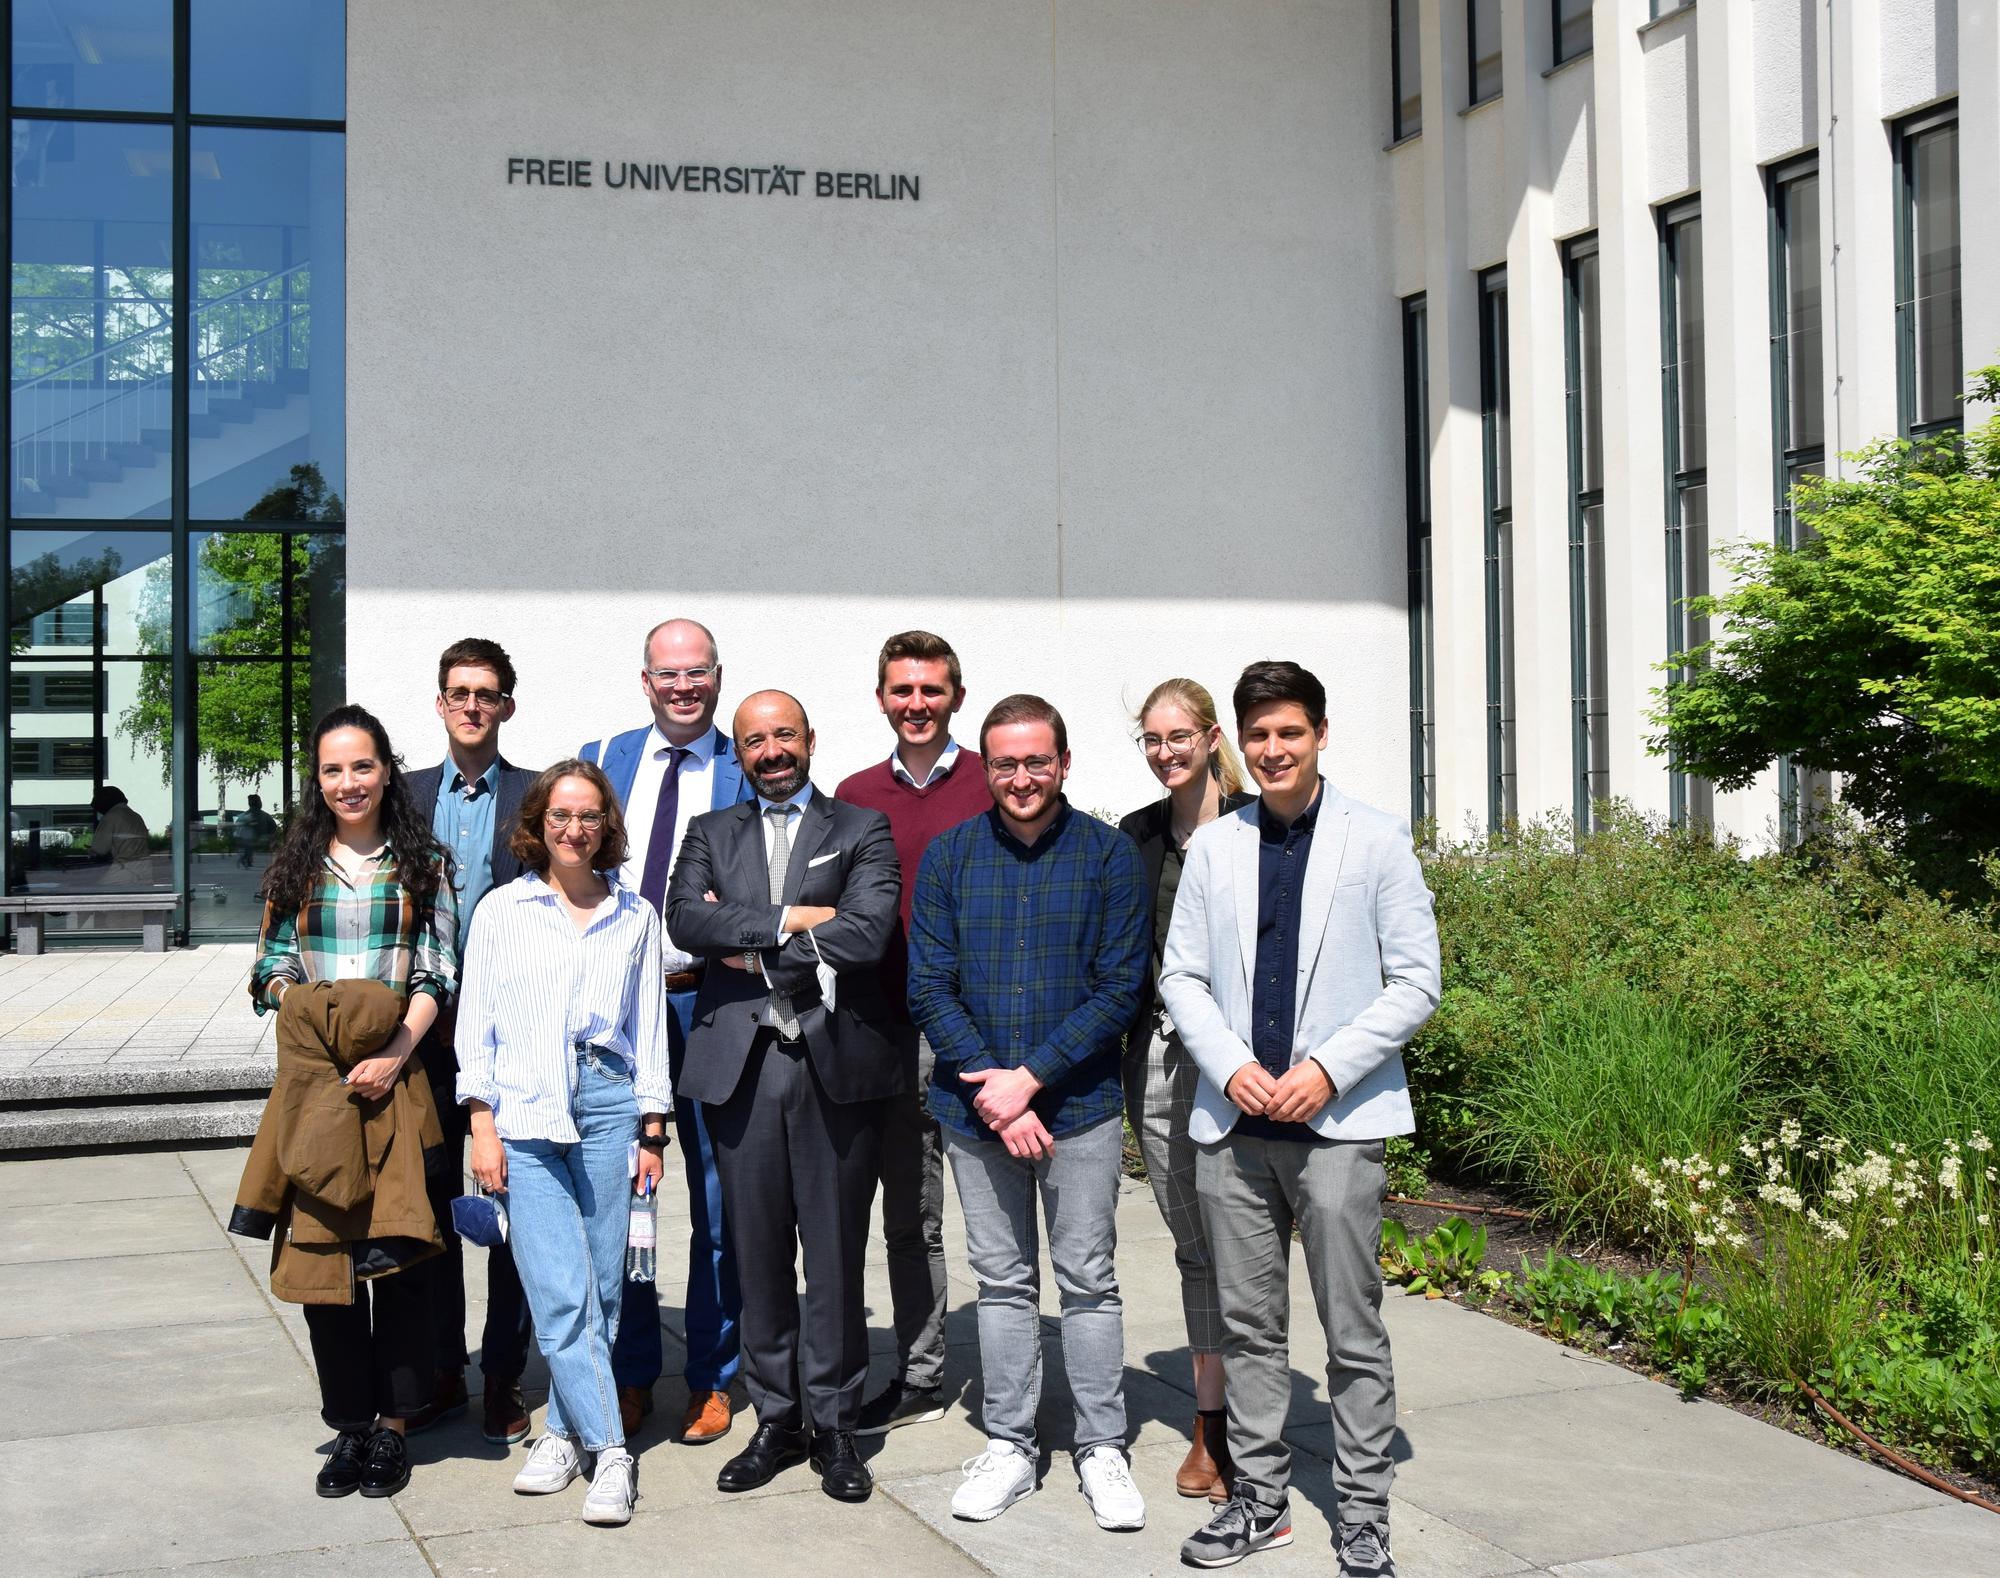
{"x": 1302, "y": 956}
{"x": 666, "y": 774}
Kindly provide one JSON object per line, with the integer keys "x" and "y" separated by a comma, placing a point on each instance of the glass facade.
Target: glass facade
{"x": 1684, "y": 400}
{"x": 1482, "y": 36}
{"x": 1590, "y": 659}
{"x": 1503, "y": 776}
{"x": 176, "y": 441}
{"x": 1406, "y": 65}
{"x": 1930, "y": 316}
{"x": 1569, "y": 25}
{"x": 1423, "y": 630}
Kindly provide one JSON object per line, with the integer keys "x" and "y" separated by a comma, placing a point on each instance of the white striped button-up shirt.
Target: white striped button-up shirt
{"x": 533, "y": 986}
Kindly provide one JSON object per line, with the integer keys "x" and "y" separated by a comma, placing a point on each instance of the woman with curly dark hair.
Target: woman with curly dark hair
{"x": 358, "y": 890}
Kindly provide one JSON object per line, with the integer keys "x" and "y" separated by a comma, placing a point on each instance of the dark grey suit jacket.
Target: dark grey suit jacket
{"x": 424, "y": 783}
{"x": 842, "y": 856}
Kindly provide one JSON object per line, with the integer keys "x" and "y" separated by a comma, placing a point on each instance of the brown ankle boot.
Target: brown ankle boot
{"x": 1218, "y": 1451}
{"x": 1197, "y": 1474}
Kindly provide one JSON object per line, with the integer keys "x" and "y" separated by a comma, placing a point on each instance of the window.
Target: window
{"x": 1930, "y": 317}
{"x": 175, "y": 434}
{"x": 1482, "y": 22}
{"x": 1683, "y": 389}
{"x": 1406, "y": 62}
{"x": 1496, "y": 424}
{"x": 1590, "y": 706}
{"x": 1669, "y": 7}
{"x": 1798, "y": 405}
{"x": 1417, "y": 495}
{"x": 1570, "y": 24}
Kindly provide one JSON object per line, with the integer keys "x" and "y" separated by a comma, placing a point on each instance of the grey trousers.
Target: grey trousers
{"x": 913, "y": 1227}
{"x": 1159, "y": 1094}
{"x": 1254, "y": 1192}
{"x": 1078, "y": 1186}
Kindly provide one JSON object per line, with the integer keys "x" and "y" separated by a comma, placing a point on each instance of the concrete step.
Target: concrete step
{"x": 90, "y": 1128}
{"x": 125, "y": 1079}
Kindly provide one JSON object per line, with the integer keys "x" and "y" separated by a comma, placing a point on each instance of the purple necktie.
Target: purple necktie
{"x": 660, "y": 842}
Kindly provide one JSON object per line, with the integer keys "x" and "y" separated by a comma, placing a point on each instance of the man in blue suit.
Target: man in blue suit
{"x": 666, "y": 774}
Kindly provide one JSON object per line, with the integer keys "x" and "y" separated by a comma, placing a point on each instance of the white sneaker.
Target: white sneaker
{"x": 994, "y": 1481}
{"x": 614, "y": 1489}
{"x": 552, "y": 1464}
{"x": 1107, "y": 1485}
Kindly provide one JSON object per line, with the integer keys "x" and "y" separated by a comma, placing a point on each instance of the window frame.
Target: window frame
{"x": 1584, "y": 628}
{"x": 1398, "y": 132}
{"x": 1473, "y": 97}
{"x": 1686, "y": 797}
{"x": 1502, "y": 696}
{"x": 1417, "y": 523}
{"x": 1904, "y": 135}
{"x": 1556, "y": 55}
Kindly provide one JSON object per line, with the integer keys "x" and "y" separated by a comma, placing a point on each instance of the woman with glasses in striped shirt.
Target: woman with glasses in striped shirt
{"x": 562, "y": 1047}
{"x": 357, "y": 890}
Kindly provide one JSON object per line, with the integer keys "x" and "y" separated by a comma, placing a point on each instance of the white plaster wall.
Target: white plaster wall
{"x": 1406, "y": 199}
{"x": 1919, "y": 60}
{"x": 1673, "y": 137}
{"x": 1573, "y": 147}
{"x": 1783, "y": 42}
{"x": 1489, "y": 205}
{"x": 1120, "y": 397}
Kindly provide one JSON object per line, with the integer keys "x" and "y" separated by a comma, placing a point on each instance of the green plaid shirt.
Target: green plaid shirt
{"x": 369, "y": 929}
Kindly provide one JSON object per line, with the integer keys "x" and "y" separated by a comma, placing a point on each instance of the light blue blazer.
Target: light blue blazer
{"x": 1368, "y": 965}
{"x": 619, "y": 757}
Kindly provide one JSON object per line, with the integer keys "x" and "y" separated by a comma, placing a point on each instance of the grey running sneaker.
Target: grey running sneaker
{"x": 1364, "y": 1551}
{"x": 1239, "y": 1527}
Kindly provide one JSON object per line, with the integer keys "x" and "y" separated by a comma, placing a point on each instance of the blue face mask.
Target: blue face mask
{"x": 480, "y": 1219}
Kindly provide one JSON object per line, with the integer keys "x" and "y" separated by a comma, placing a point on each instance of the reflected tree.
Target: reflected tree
{"x": 48, "y": 581}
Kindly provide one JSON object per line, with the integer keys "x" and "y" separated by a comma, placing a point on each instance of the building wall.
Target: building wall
{"x": 1118, "y": 398}
{"x": 1699, "y": 102}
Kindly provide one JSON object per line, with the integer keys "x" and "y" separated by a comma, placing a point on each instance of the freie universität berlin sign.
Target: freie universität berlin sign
{"x": 734, "y": 180}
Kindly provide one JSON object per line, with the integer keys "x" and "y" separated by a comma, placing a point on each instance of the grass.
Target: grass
{"x": 1919, "y": 1083}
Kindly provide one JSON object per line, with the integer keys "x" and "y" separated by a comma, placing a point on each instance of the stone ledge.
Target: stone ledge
{"x": 127, "y": 1076}
{"x": 51, "y": 1128}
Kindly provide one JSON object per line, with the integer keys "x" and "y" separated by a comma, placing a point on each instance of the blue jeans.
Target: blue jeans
{"x": 714, "y": 1303}
{"x": 567, "y": 1213}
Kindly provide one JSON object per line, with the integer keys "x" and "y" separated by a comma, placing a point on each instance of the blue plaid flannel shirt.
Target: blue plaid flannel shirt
{"x": 1029, "y": 957}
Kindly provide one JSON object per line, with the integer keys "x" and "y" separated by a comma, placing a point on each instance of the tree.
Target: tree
{"x": 240, "y": 580}
{"x": 1871, "y": 650}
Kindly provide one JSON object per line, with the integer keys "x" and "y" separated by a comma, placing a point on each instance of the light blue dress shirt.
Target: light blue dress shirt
{"x": 462, "y": 821}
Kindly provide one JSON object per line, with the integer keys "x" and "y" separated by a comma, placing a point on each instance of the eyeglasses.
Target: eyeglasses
{"x": 673, "y": 676}
{"x": 1007, "y": 766}
{"x": 1179, "y": 743}
{"x": 559, "y": 819}
{"x": 458, "y": 698}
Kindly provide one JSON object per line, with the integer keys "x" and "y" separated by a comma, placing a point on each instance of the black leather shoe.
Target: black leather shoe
{"x": 842, "y": 1474}
{"x": 340, "y": 1474}
{"x": 771, "y": 1450}
{"x": 387, "y": 1468}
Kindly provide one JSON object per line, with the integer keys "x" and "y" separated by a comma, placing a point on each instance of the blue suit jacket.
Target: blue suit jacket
{"x": 619, "y": 757}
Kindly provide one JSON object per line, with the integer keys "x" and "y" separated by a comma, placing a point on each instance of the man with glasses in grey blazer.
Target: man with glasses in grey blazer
{"x": 1303, "y": 955}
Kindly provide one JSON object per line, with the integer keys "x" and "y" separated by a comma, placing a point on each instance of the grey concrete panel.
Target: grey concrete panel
{"x": 120, "y": 1294}
{"x": 1954, "y": 1541}
{"x": 382, "y": 1559}
{"x": 182, "y": 1494}
{"x": 1571, "y": 1476}
{"x": 69, "y": 1180}
{"x": 809, "y": 1532}
{"x": 94, "y": 1229}
{"x": 115, "y": 1380}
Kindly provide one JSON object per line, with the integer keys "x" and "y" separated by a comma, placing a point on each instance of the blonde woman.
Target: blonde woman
{"x": 1186, "y": 749}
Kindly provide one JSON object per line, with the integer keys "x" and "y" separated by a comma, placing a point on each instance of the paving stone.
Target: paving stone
{"x": 397, "y": 1558}
{"x": 131, "y": 1175}
{"x": 93, "y": 1229}
{"x": 1954, "y": 1541}
{"x": 119, "y": 1293}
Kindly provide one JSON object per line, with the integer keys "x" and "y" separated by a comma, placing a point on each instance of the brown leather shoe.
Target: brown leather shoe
{"x": 1216, "y": 1439}
{"x": 447, "y": 1398}
{"x": 1196, "y": 1476}
{"x": 504, "y": 1413}
{"x": 707, "y": 1419}
{"x": 634, "y": 1403}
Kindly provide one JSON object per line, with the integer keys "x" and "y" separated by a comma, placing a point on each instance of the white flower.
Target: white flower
{"x": 1948, "y": 1174}
{"x": 1704, "y": 1240}
{"x": 1789, "y": 1134}
{"x": 1722, "y": 1171}
{"x": 1984, "y": 1220}
{"x": 1979, "y": 1142}
{"x": 1781, "y": 1194}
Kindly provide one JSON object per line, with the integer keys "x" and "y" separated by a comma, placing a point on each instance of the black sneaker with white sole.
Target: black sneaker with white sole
{"x": 1364, "y": 1551}
{"x": 897, "y": 1404}
{"x": 1239, "y": 1528}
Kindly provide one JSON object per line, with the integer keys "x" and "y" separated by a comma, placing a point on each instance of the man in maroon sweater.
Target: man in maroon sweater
{"x": 929, "y": 783}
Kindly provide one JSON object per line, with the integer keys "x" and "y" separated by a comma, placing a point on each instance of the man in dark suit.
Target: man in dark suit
{"x": 678, "y": 767}
{"x": 473, "y": 797}
{"x": 793, "y": 1056}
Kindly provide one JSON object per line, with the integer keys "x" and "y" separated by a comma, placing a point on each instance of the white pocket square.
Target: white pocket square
{"x": 820, "y": 860}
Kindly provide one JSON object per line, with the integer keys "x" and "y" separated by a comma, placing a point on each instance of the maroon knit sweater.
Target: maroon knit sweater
{"x": 916, "y": 816}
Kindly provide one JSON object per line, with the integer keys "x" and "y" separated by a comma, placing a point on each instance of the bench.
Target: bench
{"x": 155, "y": 912}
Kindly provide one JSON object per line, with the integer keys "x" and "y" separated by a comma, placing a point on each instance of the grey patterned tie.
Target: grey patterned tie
{"x": 780, "y": 1003}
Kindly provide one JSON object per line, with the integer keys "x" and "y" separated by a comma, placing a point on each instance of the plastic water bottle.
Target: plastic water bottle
{"x": 642, "y": 1236}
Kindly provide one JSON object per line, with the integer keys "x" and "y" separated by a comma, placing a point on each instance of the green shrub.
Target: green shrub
{"x": 1604, "y": 1078}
